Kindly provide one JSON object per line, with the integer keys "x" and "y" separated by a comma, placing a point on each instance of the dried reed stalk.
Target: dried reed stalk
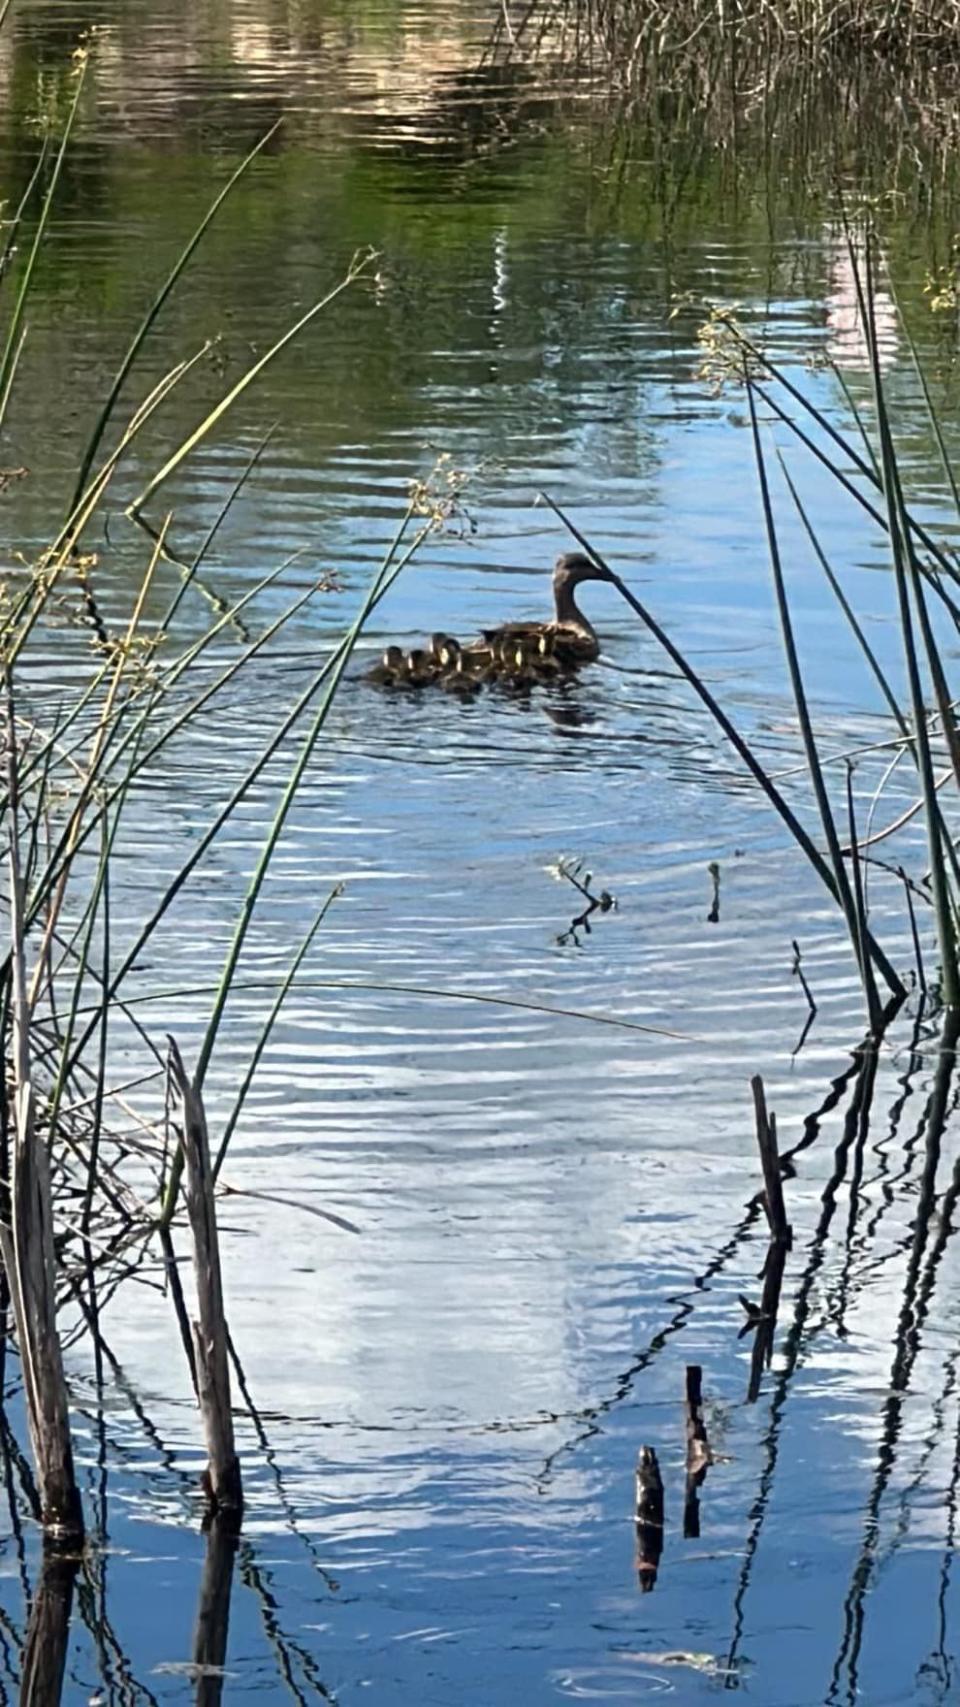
{"x": 222, "y": 1480}
{"x": 27, "y": 1242}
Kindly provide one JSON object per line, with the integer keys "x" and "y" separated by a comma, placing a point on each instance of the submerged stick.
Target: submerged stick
{"x": 222, "y": 1479}
{"x": 649, "y": 1517}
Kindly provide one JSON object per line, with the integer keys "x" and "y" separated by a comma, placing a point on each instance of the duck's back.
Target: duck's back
{"x": 568, "y": 643}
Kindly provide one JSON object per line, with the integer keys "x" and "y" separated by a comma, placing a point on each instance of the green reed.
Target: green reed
{"x": 80, "y": 768}
{"x": 867, "y": 467}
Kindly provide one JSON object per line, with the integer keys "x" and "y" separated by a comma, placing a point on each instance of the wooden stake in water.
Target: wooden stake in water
{"x": 770, "y": 1162}
{"x": 222, "y": 1480}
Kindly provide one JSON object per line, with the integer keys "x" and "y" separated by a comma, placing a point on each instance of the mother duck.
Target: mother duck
{"x": 570, "y": 638}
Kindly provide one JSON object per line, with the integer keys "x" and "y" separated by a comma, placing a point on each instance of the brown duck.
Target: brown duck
{"x": 570, "y": 639}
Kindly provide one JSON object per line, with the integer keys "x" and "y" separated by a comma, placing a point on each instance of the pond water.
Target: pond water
{"x": 553, "y": 1211}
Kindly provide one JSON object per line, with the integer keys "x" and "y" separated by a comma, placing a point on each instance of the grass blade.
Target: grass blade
{"x": 7, "y": 359}
{"x": 356, "y": 267}
{"x": 13, "y": 228}
{"x": 814, "y": 768}
{"x": 146, "y": 324}
{"x": 860, "y": 912}
{"x": 900, "y": 549}
{"x": 181, "y": 992}
{"x": 280, "y": 817}
{"x": 207, "y": 542}
{"x": 848, "y": 611}
{"x": 256, "y": 1053}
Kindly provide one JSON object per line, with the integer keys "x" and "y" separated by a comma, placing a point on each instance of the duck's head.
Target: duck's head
{"x": 393, "y": 658}
{"x": 573, "y": 568}
{"x": 416, "y": 660}
{"x": 449, "y": 652}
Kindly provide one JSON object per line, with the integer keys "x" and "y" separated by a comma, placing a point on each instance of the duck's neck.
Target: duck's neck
{"x": 569, "y": 614}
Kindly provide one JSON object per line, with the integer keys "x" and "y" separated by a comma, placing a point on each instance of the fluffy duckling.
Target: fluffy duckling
{"x": 480, "y": 663}
{"x": 517, "y": 668}
{"x": 418, "y": 669}
{"x": 442, "y": 648}
{"x": 545, "y": 660}
{"x": 460, "y": 679}
{"x": 389, "y": 670}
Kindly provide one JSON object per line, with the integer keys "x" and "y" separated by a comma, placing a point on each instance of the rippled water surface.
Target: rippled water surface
{"x": 553, "y": 1202}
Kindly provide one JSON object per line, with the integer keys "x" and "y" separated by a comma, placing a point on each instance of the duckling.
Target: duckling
{"x": 441, "y": 644}
{"x": 545, "y": 660}
{"x": 517, "y": 667}
{"x": 573, "y": 638}
{"x": 417, "y": 669}
{"x": 387, "y": 673}
{"x": 460, "y": 679}
{"x": 479, "y": 662}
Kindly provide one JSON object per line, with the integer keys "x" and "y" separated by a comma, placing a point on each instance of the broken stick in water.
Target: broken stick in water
{"x": 770, "y": 1162}
{"x": 222, "y": 1478}
{"x": 649, "y": 1517}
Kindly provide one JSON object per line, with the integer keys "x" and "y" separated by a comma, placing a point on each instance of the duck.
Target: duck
{"x": 571, "y": 639}
{"x": 390, "y": 668}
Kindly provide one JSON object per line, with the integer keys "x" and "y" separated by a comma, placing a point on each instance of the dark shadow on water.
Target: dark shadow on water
{"x": 932, "y": 1228}
{"x": 213, "y": 1614}
{"x": 591, "y": 1416}
{"x": 48, "y": 1629}
{"x": 852, "y": 1140}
